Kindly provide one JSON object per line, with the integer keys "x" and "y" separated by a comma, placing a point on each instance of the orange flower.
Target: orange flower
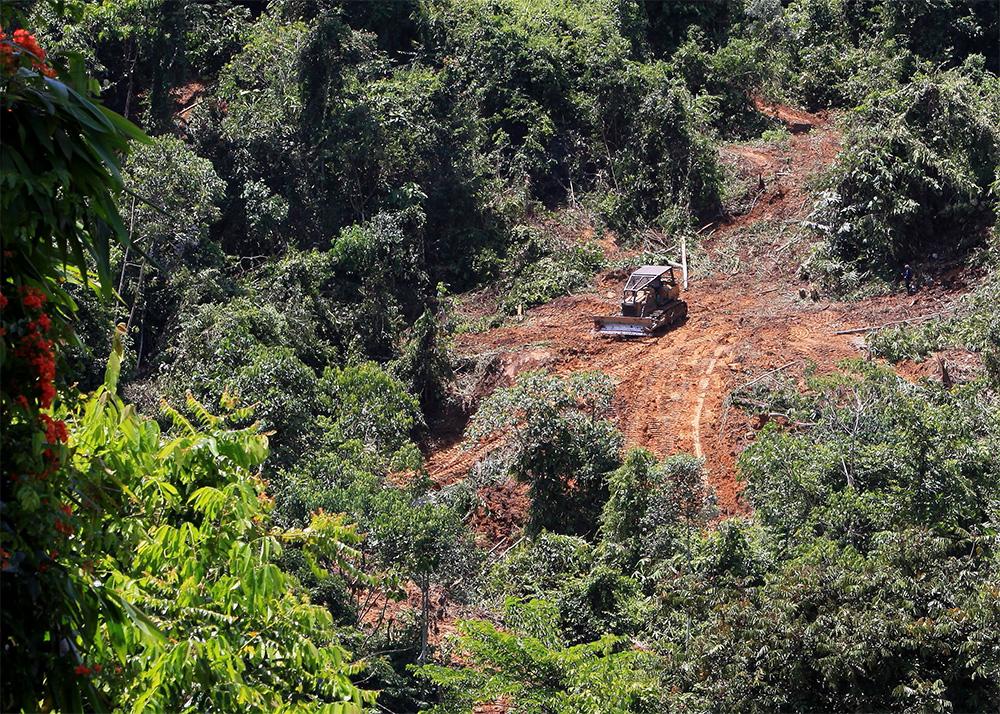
{"x": 28, "y": 43}
{"x": 25, "y": 42}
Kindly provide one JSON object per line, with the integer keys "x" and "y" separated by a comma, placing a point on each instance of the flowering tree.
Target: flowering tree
{"x": 88, "y": 512}
{"x": 58, "y": 177}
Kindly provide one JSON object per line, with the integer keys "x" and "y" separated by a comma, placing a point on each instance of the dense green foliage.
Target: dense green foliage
{"x": 916, "y": 175}
{"x": 60, "y": 174}
{"x": 540, "y": 676}
{"x": 188, "y": 548}
{"x": 322, "y": 176}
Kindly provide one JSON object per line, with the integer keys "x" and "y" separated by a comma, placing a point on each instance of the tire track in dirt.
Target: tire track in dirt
{"x": 703, "y": 385}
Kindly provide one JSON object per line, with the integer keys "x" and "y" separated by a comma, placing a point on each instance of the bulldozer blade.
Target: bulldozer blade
{"x": 623, "y": 326}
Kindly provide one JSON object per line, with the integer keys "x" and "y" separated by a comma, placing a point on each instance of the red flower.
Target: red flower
{"x": 3, "y": 301}
{"x": 28, "y": 43}
{"x": 65, "y": 528}
{"x": 35, "y": 349}
{"x": 33, "y": 299}
{"x": 98, "y": 668}
{"x": 48, "y": 393}
{"x": 82, "y": 670}
{"x": 67, "y": 509}
{"x": 55, "y": 429}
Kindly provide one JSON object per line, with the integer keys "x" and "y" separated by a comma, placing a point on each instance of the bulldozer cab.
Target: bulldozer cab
{"x": 648, "y": 289}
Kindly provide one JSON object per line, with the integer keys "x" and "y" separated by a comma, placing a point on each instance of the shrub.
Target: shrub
{"x": 915, "y": 173}
{"x": 722, "y": 80}
{"x": 540, "y": 270}
{"x": 365, "y": 403}
{"x": 883, "y": 454}
{"x": 975, "y": 326}
{"x": 597, "y": 605}
{"x": 539, "y": 568}
{"x": 602, "y": 676}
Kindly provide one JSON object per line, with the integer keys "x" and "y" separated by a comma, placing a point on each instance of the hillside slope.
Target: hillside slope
{"x": 746, "y": 319}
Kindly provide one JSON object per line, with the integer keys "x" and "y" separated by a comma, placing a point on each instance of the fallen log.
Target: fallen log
{"x": 871, "y": 328}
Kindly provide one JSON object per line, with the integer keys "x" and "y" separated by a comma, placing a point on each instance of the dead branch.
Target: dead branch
{"x": 766, "y": 374}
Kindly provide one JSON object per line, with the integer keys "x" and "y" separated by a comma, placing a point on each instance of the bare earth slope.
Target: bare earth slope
{"x": 745, "y": 318}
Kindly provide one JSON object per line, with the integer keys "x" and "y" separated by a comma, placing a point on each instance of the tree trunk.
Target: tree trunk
{"x": 425, "y": 609}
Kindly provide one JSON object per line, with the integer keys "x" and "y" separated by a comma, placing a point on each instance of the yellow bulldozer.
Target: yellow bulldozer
{"x": 650, "y": 301}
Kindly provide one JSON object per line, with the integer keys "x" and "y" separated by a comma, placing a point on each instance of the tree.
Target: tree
{"x": 654, "y": 509}
{"x": 213, "y": 621}
{"x": 558, "y": 441}
{"x": 142, "y": 564}
{"x": 428, "y": 543}
{"x": 915, "y": 173}
{"x": 537, "y": 676}
{"x": 173, "y": 205}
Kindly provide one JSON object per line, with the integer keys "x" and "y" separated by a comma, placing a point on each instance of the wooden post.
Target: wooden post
{"x": 684, "y": 260}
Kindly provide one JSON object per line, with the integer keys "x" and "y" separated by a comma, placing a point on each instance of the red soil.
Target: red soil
{"x": 186, "y": 98}
{"x": 796, "y": 120}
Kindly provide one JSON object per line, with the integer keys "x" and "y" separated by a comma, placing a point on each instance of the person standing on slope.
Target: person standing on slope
{"x": 908, "y": 278}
